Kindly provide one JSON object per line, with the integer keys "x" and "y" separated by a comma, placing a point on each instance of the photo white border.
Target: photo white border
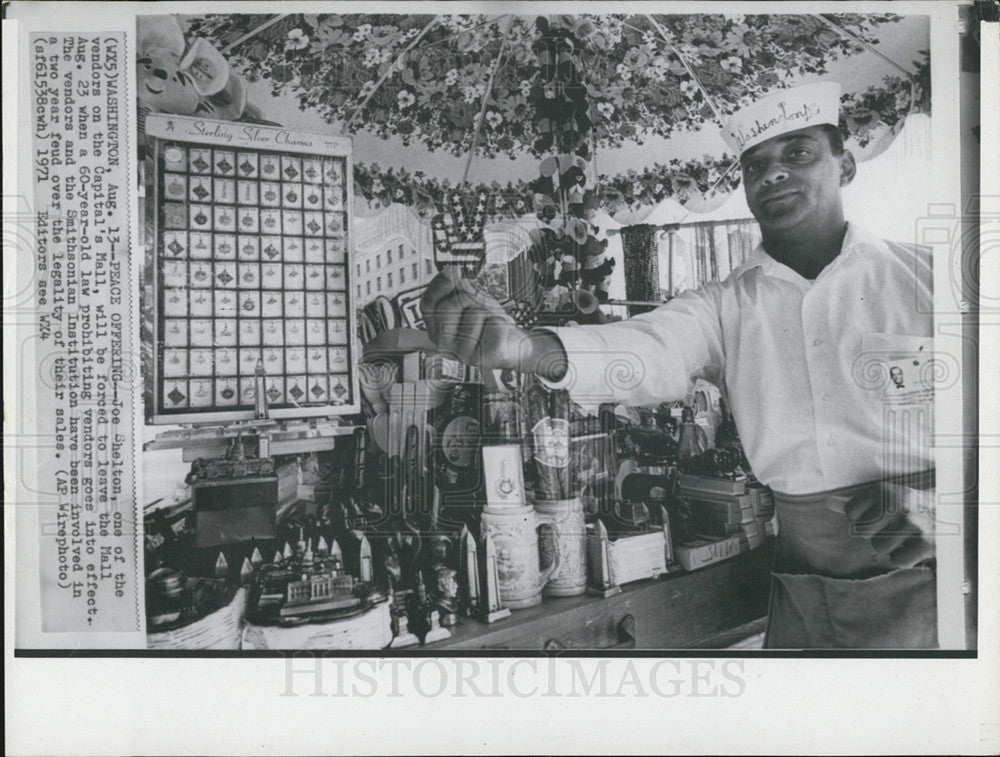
{"x": 794, "y": 705}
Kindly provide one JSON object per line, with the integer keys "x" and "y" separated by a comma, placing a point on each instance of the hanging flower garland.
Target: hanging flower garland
{"x": 679, "y": 179}
{"x": 425, "y": 194}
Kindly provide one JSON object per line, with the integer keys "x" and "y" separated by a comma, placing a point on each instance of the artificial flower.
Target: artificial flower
{"x": 405, "y": 99}
{"x": 731, "y": 64}
{"x": 623, "y": 71}
{"x": 296, "y": 40}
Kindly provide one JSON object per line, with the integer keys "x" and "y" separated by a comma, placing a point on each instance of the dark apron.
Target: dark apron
{"x": 829, "y": 588}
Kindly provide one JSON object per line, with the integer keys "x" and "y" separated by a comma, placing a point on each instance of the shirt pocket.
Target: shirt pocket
{"x": 895, "y": 365}
{"x": 892, "y": 344}
{"x": 898, "y": 375}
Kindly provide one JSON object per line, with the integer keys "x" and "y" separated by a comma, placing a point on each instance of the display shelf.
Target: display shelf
{"x": 679, "y": 611}
{"x": 285, "y": 438}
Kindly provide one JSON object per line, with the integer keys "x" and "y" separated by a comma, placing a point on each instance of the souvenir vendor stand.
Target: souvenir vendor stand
{"x": 344, "y": 485}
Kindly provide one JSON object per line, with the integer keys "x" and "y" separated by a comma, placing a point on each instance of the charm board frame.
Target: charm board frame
{"x": 251, "y": 227}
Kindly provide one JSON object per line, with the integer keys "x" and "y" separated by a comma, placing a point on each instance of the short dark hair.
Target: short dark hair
{"x": 835, "y": 138}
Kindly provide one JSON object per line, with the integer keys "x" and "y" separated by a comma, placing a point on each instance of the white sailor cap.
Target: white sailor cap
{"x": 781, "y": 112}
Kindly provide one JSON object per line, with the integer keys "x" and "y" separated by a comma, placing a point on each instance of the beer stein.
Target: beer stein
{"x": 564, "y": 542}
{"x": 515, "y": 533}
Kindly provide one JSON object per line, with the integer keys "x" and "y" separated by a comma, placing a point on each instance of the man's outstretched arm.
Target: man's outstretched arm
{"x": 643, "y": 360}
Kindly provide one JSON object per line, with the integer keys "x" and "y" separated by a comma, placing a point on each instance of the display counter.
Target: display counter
{"x": 681, "y": 610}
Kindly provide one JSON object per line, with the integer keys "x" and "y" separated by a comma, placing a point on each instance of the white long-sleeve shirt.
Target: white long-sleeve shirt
{"x": 804, "y": 364}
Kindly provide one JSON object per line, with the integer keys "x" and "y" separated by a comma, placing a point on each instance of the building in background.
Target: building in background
{"x": 393, "y": 253}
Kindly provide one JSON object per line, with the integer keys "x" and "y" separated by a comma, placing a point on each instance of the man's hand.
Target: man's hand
{"x": 899, "y": 521}
{"x": 471, "y": 325}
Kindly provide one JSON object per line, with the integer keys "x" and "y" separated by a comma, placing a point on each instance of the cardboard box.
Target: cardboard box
{"x": 732, "y": 509}
{"x": 740, "y": 501}
{"x": 711, "y": 485}
{"x": 751, "y": 530}
{"x": 702, "y": 552}
{"x": 767, "y": 526}
{"x": 762, "y": 500}
{"x": 714, "y": 529}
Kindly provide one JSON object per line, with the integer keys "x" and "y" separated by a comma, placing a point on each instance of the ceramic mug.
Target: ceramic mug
{"x": 564, "y": 541}
{"x": 515, "y": 534}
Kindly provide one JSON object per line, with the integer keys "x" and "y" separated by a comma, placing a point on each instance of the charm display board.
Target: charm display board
{"x": 251, "y": 227}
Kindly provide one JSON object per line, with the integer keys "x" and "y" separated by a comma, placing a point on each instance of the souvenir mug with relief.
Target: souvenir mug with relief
{"x": 564, "y": 541}
{"x": 515, "y": 533}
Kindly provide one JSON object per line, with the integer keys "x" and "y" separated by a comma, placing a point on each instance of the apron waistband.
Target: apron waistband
{"x": 922, "y": 480}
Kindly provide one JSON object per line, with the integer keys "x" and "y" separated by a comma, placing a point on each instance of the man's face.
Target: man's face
{"x": 794, "y": 180}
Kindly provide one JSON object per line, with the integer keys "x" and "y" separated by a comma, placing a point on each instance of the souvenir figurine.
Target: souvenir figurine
{"x": 221, "y": 566}
{"x": 435, "y": 631}
{"x": 491, "y": 608}
{"x": 401, "y": 634}
{"x": 692, "y": 440}
{"x": 446, "y": 595}
{"x": 260, "y": 392}
{"x": 364, "y": 558}
{"x": 164, "y": 596}
{"x": 246, "y": 571}
{"x": 393, "y": 569}
{"x": 470, "y": 573}
{"x": 419, "y": 609}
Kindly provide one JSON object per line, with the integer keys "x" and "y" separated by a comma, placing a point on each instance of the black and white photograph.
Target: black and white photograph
{"x": 672, "y": 229}
{"x": 633, "y": 351}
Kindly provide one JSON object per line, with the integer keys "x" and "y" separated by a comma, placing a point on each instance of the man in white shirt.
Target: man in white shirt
{"x": 799, "y": 339}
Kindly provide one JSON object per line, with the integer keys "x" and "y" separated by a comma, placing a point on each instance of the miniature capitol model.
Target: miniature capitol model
{"x": 307, "y": 583}
{"x": 307, "y": 599}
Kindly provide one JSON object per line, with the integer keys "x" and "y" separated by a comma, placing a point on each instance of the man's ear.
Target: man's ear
{"x": 848, "y": 168}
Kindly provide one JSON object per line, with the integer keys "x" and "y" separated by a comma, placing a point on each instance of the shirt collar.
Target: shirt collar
{"x": 855, "y": 238}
